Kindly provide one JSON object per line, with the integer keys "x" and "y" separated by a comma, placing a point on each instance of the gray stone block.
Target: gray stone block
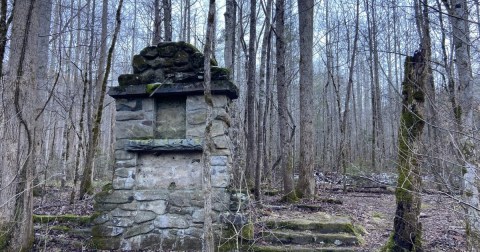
{"x": 134, "y": 129}
{"x": 165, "y": 145}
{"x": 148, "y": 195}
{"x": 171, "y": 221}
{"x": 139, "y": 229}
{"x": 198, "y": 216}
{"x": 157, "y": 206}
{"x": 132, "y": 206}
{"x": 123, "y": 183}
{"x": 106, "y": 231}
{"x": 221, "y": 142}
{"x": 196, "y": 117}
{"x": 116, "y": 197}
{"x": 218, "y": 160}
{"x": 148, "y": 104}
{"x": 120, "y": 144}
{"x": 102, "y": 218}
{"x": 122, "y": 222}
{"x": 124, "y": 155}
{"x": 218, "y": 128}
{"x": 144, "y": 216}
{"x": 180, "y": 171}
{"x": 143, "y": 242}
{"x": 117, "y": 212}
{"x": 125, "y": 163}
{"x": 125, "y": 172}
{"x": 220, "y": 101}
{"x": 129, "y": 115}
{"x": 128, "y": 105}
{"x": 195, "y": 103}
{"x": 195, "y": 131}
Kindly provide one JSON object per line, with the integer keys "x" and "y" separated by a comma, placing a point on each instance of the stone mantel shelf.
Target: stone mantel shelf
{"x": 222, "y": 87}
{"x": 155, "y": 145}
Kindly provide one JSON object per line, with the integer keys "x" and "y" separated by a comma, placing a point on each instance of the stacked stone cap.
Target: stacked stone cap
{"x": 172, "y": 68}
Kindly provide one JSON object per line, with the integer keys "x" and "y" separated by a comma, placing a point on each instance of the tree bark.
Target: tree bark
{"x": 345, "y": 116}
{"x": 251, "y": 129}
{"x": 262, "y": 103}
{"x": 407, "y": 232}
{"x": 286, "y": 162}
{"x": 468, "y": 101}
{"x": 208, "y": 241}
{"x": 4, "y": 24}
{"x": 157, "y": 23}
{"x": 306, "y": 183}
{"x": 229, "y": 53}
{"x": 17, "y": 161}
{"x": 167, "y": 21}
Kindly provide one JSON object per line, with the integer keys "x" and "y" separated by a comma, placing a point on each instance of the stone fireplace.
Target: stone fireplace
{"x": 155, "y": 200}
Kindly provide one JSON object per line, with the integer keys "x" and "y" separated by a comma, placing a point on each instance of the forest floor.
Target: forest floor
{"x": 441, "y": 217}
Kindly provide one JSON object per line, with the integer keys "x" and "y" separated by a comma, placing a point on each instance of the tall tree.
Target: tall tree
{"x": 208, "y": 242}
{"x": 157, "y": 23}
{"x": 167, "y": 19}
{"x": 345, "y": 116}
{"x": 377, "y": 121}
{"x": 286, "y": 157}
{"x": 306, "y": 184}
{"x": 261, "y": 116}
{"x": 17, "y": 161}
{"x": 467, "y": 101}
{"x": 229, "y": 52}
{"x": 251, "y": 74}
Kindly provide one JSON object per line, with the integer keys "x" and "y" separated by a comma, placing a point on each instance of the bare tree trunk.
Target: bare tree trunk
{"x": 17, "y": 161}
{"x": 251, "y": 129}
{"x": 467, "y": 100}
{"x": 229, "y": 53}
{"x": 157, "y": 23}
{"x": 261, "y": 104}
{"x": 345, "y": 117}
{"x": 306, "y": 183}
{"x": 407, "y": 234}
{"x": 167, "y": 21}
{"x": 4, "y": 24}
{"x": 286, "y": 162}
{"x": 208, "y": 242}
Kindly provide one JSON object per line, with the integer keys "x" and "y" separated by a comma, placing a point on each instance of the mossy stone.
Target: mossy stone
{"x": 197, "y": 60}
{"x": 129, "y": 79}
{"x": 161, "y": 63}
{"x": 187, "y": 47}
{"x": 167, "y": 49}
{"x": 181, "y": 58}
{"x": 106, "y": 243}
{"x": 149, "y": 52}
{"x": 220, "y": 73}
{"x": 152, "y": 87}
{"x": 139, "y": 64}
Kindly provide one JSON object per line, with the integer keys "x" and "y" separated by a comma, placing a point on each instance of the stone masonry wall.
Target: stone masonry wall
{"x": 155, "y": 200}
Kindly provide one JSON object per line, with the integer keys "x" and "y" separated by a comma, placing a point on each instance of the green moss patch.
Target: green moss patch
{"x": 68, "y": 218}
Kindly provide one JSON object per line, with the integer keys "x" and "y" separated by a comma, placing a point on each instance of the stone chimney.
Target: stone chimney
{"x": 155, "y": 200}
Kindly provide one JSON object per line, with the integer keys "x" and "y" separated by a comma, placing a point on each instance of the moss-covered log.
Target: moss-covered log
{"x": 407, "y": 232}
